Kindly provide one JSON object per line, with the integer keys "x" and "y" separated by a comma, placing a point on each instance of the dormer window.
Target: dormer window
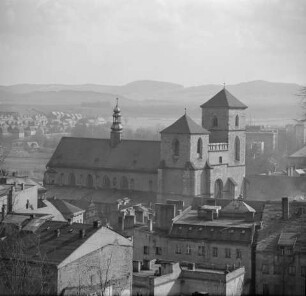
{"x": 215, "y": 121}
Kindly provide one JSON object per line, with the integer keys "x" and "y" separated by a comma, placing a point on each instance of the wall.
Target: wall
{"x": 21, "y": 197}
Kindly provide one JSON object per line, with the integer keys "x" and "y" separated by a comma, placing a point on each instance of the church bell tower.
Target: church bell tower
{"x": 116, "y": 128}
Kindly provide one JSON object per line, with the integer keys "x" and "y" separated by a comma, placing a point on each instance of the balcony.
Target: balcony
{"x": 217, "y": 147}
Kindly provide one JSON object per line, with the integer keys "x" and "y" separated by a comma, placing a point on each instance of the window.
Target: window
{"x": 71, "y": 179}
{"x": 178, "y": 249}
{"x": 106, "y": 182}
{"x": 220, "y": 159}
{"x": 215, "y": 121}
{"x": 132, "y": 184}
{"x": 201, "y": 251}
{"x": 146, "y": 250}
{"x": 89, "y": 181}
{"x": 62, "y": 181}
{"x": 188, "y": 249}
{"x": 199, "y": 148}
{"x": 237, "y": 148}
{"x": 114, "y": 181}
{"x": 227, "y": 253}
{"x": 291, "y": 270}
{"x": 176, "y": 147}
{"x": 288, "y": 251}
{"x": 303, "y": 271}
{"x": 265, "y": 289}
{"x": 238, "y": 253}
{"x": 158, "y": 250}
{"x": 215, "y": 252}
{"x": 237, "y": 121}
{"x": 265, "y": 269}
{"x": 150, "y": 185}
{"x": 276, "y": 269}
{"x": 124, "y": 183}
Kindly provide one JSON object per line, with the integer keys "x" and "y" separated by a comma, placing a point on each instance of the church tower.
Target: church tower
{"x": 184, "y": 152}
{"x": 116, "y": 128}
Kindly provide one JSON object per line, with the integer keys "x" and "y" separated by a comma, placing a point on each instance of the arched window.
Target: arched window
{"x": 124, "y": 183}
{"x": 89, "y": 181}
{"x": 237, "y": 121}
{"x": 132, "y": 184}
{"x": 71, "y": 179}
{"x": 237, "y": 149}
{"x": 218, "y": 189}
{"x": 114, "y": 182}
{"x": 215, "y": 121}
{"x": 176, "y": 147}
{"x": 62, "y": 179}
{"x": 199, "y": 148}
{"x": 106, "y": 182}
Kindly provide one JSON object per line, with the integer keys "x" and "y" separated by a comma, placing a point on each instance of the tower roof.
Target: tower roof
{"x": 184, "y": 125}
{"x": 224, "y": 99}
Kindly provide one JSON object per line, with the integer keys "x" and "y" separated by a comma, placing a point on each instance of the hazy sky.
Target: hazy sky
{"x": 184, "y": 41}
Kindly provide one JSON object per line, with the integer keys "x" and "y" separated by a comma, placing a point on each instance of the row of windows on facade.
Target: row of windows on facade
{"x": 280, "y": 269}
{"x": 176, "y": 149}
{"x": 201, "y": 251}
{"x": 124, "y": 183}
{"x": 215, "y": 123}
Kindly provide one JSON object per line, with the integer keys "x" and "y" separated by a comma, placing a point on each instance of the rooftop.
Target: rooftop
{"x": 65, "y": 208}
{"x": 224, "y": 99}
{"x": 299, "y": 153}
{"x": 130, "y": 155}
{"x": 185, "y": 125}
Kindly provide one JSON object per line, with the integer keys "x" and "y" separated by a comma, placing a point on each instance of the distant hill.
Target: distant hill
{"x": 265, "y": 99}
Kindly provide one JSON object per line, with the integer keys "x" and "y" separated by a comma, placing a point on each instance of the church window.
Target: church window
{"x": 61, "y": 180}
{"x": 176, "y": 147}
{"x": 220, "y": 159}
{"x": 215, "y": 121}
{"x": 114, "y": 181}
{"x": 237, "y": 121}
{"x": 89, "y": 181}
{"x": 237, "y": 149}
{"x": 124, "y": 183}
{"x": 71, "y": 179}
{"x": 132, "y": 184}
{"x": 218, "y": 188}
{"x": 106, "y": 182}
{"x": 199, "y": 148}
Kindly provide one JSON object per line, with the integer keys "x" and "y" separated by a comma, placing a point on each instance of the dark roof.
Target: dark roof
{"x": 224, "y": 99}
{"x": 91, "y": 153}
{"x": 184, "y": 125}
{"x": 64, "y": 207}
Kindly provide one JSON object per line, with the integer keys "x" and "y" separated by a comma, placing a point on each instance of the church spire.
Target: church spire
{"x": 116, "y": 128}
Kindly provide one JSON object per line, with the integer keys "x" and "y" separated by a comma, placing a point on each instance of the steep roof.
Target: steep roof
{"x": 184, "y": 125}
{"x": 132, "y": 155}
{"x": 64, "y": 207}
{"x": 224, "y": 99}
{"x": 299, "y": 153}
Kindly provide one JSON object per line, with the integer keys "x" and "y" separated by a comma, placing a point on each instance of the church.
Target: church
{"x": 189, "y": 161}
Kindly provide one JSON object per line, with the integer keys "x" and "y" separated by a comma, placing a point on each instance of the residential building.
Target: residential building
{"x": 281, "y": 249}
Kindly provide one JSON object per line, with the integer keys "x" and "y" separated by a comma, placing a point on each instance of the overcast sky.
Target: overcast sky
{"x": 190, "y": 42}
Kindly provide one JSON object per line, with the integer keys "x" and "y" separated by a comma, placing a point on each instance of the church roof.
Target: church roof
{"x": 132, "y": 155}
{"x": 224, "y": 99}
{"x": 184, "y": 125}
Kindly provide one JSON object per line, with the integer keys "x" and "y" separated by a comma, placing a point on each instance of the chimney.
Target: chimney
{"x": 82, "y": 233}
{"x": 285, "y": 208}
{"x": 97, "y": 224}
{"x": 150, "y": 225}
{"x": 57, "y": 232}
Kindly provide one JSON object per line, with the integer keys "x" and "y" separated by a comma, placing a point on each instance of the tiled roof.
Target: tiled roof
{"x": 184, "y": 125}
{"x": 224, "y": 99}
{"x": 98, "y": 154}
{"x": 299, "y": 153}
{"x": 65, "y": 208}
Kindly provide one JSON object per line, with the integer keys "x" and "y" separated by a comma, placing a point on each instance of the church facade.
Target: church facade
{"x": 190, "y": 160}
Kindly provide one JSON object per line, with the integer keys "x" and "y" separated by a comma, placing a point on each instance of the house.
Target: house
{"x": 212, "y": 233}
{"x": 281, "y": 249}
{"x": 171, "y": 278}
{"x": 61, "y": 258}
